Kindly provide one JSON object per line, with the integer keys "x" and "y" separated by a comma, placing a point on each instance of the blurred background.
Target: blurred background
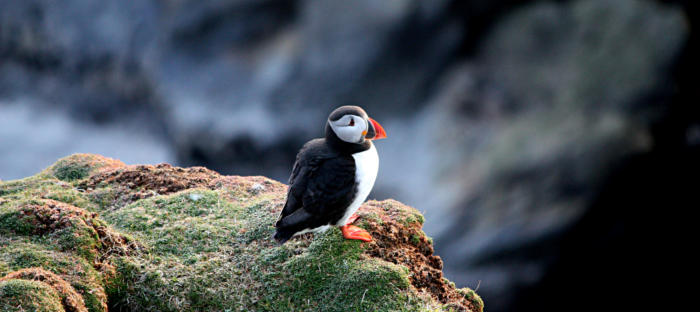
{"x": 551, "y": 145}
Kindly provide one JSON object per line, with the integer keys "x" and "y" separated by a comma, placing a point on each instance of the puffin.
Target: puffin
{"x": 332, "y": 176}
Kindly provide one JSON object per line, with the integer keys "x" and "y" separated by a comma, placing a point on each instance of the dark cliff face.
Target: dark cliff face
{"x": 509, "y": 121}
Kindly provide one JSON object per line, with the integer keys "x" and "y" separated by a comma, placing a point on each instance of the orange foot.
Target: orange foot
{"x": 353, "y": 232}
{"x": 352, "y": 219}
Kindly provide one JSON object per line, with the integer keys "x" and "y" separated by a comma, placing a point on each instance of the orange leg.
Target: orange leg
{"x": 352, "y": 219}
{"x": 353, "y": 232}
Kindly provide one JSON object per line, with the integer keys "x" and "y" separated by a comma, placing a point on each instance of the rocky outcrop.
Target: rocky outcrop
{"x": 92, "y": 234}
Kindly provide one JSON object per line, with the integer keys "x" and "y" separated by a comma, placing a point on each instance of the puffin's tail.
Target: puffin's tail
{"x": 291, "y": 224}
{"x": 282, "y": 236}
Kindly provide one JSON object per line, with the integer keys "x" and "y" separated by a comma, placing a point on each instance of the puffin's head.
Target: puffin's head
{"x": 351, "y": 124}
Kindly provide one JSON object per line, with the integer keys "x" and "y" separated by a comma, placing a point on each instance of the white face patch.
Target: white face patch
{"x": 349, "y": 128}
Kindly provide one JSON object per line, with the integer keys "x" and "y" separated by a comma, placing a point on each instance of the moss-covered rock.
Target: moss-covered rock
{"x": 473, "y": 298}
{"x": 163, "y": 238}
{"x": 21, "y": 295}
{"x": 71, "y": 300}
{"x": 80, "y": 166}
{"x": 17, "y": 253}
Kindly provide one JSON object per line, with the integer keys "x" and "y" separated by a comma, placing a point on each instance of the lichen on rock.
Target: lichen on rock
{"x": 101, "y": 235}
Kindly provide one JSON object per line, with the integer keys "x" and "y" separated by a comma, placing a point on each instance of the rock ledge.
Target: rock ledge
{"x": 90, "y": 233}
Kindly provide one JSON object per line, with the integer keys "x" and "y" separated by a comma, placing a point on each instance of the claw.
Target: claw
{"x": 352, "y": 219}
{"x": 353, "y": 232}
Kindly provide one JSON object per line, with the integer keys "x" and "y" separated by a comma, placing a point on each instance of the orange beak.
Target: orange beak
{"x": 378, "y": 129}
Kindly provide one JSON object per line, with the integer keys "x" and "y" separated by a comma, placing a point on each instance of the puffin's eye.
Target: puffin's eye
{"x": 352, "y": 122}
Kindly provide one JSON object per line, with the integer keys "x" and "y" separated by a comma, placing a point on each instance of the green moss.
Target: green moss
{"x": 35, "y": 188}
{"x": 73, "y": 234}
{"x": 198, "y": 253}
{"x": 116, "y": 287}
{"x": 415, "y": 239}
{"x": 68, "y": 196}
{"x": 168, "y": 284}
{"x": 407, "y": 215}
{"x": 103, "y": 198}
{"x": 76, "y": 167}
{"x": 12, "y": 187}
{"x": 473, "y": 297}
{"x": 18, "y": 194}
{"x": 22, "y": 295}
{"x": 78, "y": 237}
{"x": 70, "y": 172}
{"x": 413, "y": 218}
{"x": 26, "y": 252}
{"x": 185, "y": 223}
{"x": 330, "y": 276}
{"x": 207, "y": 254}
{"x": 10, "y": 222}
{"x": 372, "y": 216}
{"x": 259, "y": 222}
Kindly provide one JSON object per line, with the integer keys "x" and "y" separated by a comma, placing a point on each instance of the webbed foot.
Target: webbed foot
{"x": 353, "y": 232}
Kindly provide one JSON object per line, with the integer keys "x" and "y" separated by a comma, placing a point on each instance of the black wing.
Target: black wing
{"x": 322, "y": 185}
{"x": 297, "y": 186}
{"x": 330, "y": 187}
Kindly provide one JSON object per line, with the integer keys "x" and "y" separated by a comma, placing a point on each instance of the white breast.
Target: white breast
{"x": 366, "y": 167}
